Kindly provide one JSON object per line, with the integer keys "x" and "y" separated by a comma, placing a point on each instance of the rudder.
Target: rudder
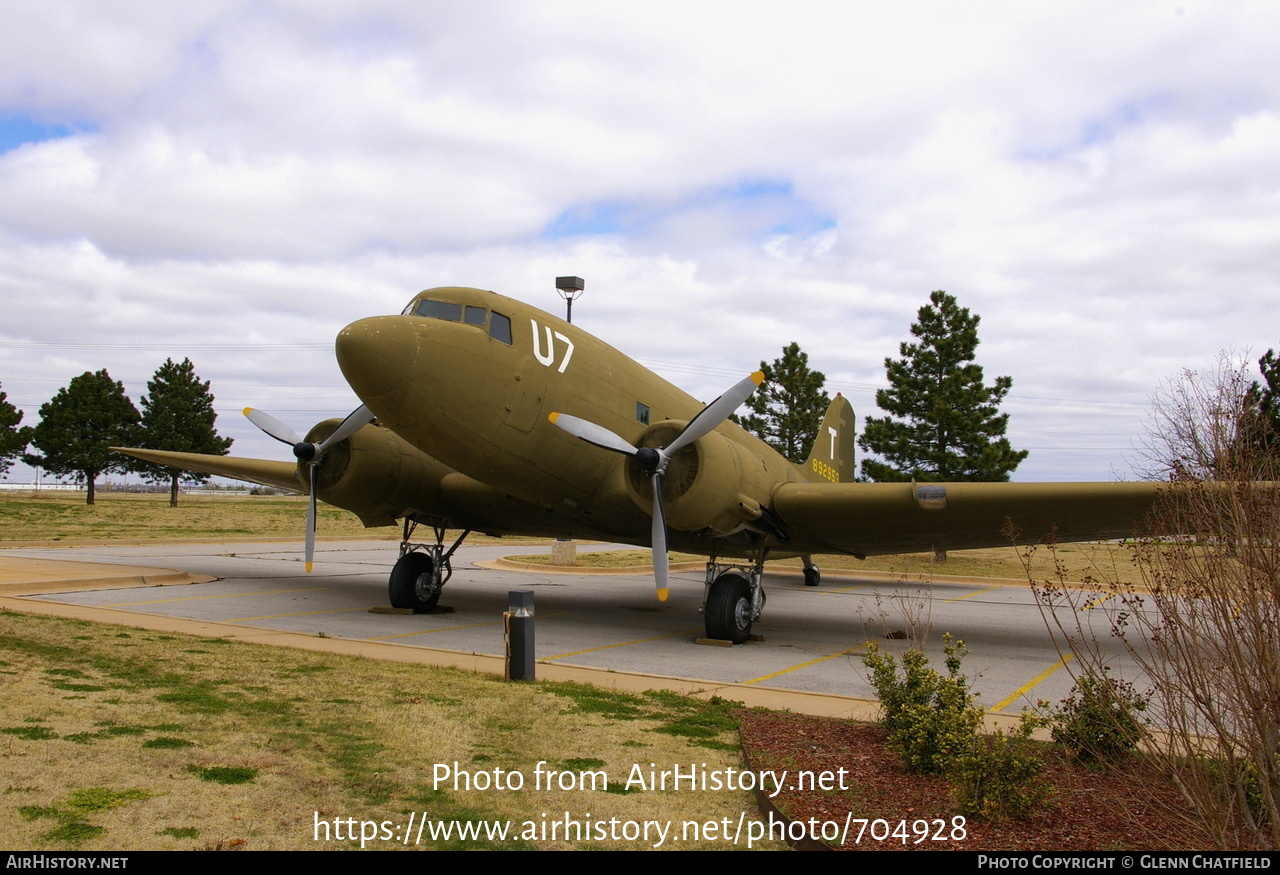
{"x": 831, "y": 457}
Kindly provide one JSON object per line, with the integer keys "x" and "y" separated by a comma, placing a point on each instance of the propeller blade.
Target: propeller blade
{"x": 716, "y": 412}
{"x": 596, "y": 435}
{"x": 310, "y": 551}
{"x": 272, "y": 426}
{"x": 658, "y": 537}
{"x": 356, "y": 420}
{"x": 311, "y": 454}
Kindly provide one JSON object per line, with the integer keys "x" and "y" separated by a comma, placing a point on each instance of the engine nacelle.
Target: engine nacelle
{"x": 714, "y": 485}
{"x": 375, "y": 474}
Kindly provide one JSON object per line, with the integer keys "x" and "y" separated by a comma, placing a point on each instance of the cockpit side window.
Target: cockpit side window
{"x": 500, "y": 328}
{"x": 439, "y": 310}
{"x": 475, "y": 315}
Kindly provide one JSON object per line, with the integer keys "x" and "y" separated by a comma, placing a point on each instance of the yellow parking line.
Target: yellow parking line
{"x": 804, "y": 665}
{"x": 1026, "y": 688}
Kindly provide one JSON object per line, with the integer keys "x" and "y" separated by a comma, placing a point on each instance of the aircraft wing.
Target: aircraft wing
{"x": 877, "y": 518}
{"x": 281, "y": 475}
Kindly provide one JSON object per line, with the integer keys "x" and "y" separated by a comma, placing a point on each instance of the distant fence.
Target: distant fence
{"x": 113, "y": 488}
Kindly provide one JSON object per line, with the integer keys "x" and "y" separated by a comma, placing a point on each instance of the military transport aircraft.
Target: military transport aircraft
{"x": 482, "y": 413}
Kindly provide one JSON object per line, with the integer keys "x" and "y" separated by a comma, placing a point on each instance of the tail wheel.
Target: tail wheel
{"x": 728, "y": 612}
{"x": 411, "y": 575}
{"x": 812, "y": 576}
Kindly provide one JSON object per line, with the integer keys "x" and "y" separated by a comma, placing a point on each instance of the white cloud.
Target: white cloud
{"x": 1099, "y": 182}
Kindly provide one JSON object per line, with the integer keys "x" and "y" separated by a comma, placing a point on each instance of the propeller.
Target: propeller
{"x": 654, "y": 460}
{"x": 311, "y": 454}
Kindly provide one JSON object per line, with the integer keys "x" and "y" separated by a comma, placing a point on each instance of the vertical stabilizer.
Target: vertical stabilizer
{"x": 831, "y": 458}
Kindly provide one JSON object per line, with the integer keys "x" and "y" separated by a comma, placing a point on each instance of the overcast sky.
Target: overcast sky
{"x": 235, "y": 182}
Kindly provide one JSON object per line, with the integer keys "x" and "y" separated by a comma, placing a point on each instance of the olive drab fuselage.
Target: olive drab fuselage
{"x": 466, "y": 395}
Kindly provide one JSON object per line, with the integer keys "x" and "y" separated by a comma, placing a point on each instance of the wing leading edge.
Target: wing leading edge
{"x": 877, "y": 518}
{"x": 265, "y": 472}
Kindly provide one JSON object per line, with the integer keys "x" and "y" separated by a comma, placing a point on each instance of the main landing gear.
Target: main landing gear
{"x": 812, "y": 575}
{"x": 422, "y": 570}
{"x": 734, "y": 598}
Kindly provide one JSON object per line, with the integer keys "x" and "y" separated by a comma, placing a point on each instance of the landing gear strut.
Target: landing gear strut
{"x": 422, "y": 570}
{"x": 734, "y": 598}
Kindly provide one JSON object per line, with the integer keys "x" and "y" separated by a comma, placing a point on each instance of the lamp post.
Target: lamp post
{"x": 570, "y": 288}
{"x": 564, "y": 551}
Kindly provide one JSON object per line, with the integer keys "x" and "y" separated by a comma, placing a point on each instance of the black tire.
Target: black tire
{"x": 728, "y": 613}
{"x": 403, "y": 586}
{"x": 812, "y": 576}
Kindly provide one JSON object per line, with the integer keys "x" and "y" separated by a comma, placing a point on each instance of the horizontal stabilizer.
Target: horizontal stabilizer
{"x": 266, "y": 472}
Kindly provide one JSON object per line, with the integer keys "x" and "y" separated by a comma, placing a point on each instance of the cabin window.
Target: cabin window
{"x": 475, "y": 315}
{"x": 500, "y": 328}
{"x": 439, "y": 310}
{"x": 642, "y": 413}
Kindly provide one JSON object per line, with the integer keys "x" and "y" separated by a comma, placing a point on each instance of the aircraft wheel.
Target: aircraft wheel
{"x": 812, "y": 576}
{"x": 728, "y": 613}
{"x": 403, "y": 587}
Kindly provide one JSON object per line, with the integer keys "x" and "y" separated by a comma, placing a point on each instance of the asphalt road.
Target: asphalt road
{"x": 811, "y": 636}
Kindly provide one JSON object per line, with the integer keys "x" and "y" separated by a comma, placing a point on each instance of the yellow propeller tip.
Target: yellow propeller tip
{"x": 757, "y": 377}
{"x": 309, "y": 564}
{"x": 662, "y": 595}
{"x": 247, "y": 411}
{"x": 551, "y": 417}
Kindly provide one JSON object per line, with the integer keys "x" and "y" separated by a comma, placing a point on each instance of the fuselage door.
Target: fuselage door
{"x": 528, "y": 388}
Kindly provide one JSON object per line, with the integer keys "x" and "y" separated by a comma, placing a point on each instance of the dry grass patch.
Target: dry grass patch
{"x": 63, "y": 516}
{"x": 207, "y": 743}
{"x": 1083, "y": 562}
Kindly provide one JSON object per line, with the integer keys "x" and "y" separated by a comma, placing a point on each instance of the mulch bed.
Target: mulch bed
{"x": 1121, "y": 807}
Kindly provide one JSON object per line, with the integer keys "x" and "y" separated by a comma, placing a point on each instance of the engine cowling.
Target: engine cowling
{"x": 375, "y": 474}
{"x": 712, "y": 486}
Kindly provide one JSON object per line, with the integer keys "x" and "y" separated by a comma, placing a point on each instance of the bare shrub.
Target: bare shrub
{"x": 1204, "y": 624}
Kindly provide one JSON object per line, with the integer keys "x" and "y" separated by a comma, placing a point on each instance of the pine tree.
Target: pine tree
{"x": 1266, "y": 397}
{"x": 177, "y": 415}
{"x": 78, "y": 427}
{"x": 944, "y": 422}
{"x": 787, "y": 409}
{"x": 13, "y": 439}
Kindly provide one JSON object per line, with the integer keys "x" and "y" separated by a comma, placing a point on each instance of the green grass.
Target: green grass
{"x": 224, "y": 774}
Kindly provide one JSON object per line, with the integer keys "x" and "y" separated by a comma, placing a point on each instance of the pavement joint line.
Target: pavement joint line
{"x": 197, "y": 598}
{"x": 453, "y": 628}
{"x": 298, "y": 614}
{"x": 679, "y": 634}
{"x": 1029, "y": 685}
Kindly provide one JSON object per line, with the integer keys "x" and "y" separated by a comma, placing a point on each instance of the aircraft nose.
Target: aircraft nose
{"x": 377, "y": 353}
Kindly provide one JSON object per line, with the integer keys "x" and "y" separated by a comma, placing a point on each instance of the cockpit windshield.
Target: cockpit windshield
{"x": 445, "y": 310}
{"x": 499, "y": 326}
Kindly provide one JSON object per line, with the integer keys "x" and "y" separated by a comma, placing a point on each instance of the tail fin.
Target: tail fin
{"x": 831, "y": 457}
